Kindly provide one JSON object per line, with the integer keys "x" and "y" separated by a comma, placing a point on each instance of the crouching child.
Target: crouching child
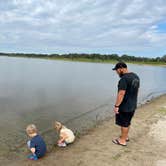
{"x": 36, "y": 143}
{"x": 66, "y": 136}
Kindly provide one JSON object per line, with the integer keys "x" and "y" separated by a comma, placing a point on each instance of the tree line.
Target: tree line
{"x": 102, "y": 57}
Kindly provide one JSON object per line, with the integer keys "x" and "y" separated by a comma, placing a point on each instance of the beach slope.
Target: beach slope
{"x": 146, "y": 147}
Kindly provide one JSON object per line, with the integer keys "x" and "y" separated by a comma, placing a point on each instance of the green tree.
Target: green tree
{"x": 164, "y": 58}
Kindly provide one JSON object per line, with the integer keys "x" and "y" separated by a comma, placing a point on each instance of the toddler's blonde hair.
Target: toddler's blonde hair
{"x": 31, "y": 129}
{"x": 58, "y": 125}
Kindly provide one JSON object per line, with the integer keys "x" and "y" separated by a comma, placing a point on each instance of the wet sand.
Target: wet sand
{"x": 95, "y": 148}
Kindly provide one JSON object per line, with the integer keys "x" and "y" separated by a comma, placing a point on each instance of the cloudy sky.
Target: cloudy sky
{"x": 134, "y": 27}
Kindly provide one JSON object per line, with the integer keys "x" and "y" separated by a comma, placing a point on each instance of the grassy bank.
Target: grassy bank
{"x": 109, "y": 61}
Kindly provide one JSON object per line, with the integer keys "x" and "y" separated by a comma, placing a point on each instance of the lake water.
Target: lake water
{"x": 78, "y": 94}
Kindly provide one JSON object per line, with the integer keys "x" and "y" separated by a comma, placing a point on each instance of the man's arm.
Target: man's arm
{"x": 119, "y": 100}
{"x": 120, "y": 97}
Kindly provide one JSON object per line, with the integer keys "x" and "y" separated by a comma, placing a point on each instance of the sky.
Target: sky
{"x": 133, "y": 27}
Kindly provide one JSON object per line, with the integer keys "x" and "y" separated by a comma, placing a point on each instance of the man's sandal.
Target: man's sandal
{"x": 116, "y": 141}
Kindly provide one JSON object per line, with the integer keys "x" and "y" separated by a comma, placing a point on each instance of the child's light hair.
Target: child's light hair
{"x": 31, "y": 129}
{"x": 58, "y": 125}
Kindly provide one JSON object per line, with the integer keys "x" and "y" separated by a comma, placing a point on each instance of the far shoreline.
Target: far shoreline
{"x": 86, "y": 60}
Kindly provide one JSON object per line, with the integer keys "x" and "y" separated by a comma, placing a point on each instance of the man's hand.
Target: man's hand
{"x": 116, "y": 110}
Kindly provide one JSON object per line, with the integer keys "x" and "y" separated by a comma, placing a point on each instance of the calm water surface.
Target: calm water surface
{"x": 41, "y": 91}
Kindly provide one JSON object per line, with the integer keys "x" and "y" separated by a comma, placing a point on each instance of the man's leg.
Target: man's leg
{"x": 127, "y": 134}
{"x": 124, "y": 135}
{"x": 126, "y": 118}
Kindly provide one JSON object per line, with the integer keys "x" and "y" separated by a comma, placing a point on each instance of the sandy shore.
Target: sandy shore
{"x": 146, "y": 147}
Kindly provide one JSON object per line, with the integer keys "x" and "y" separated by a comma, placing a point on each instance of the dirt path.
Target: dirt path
{"x": 147, "y": 144}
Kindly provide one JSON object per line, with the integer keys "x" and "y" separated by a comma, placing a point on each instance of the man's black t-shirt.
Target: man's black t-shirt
{"x": 129, "y": 82}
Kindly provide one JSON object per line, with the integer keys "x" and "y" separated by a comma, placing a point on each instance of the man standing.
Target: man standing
{"x": 126, "y": 101}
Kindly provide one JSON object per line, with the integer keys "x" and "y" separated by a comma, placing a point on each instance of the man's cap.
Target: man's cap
{"x": 120, "y": 65}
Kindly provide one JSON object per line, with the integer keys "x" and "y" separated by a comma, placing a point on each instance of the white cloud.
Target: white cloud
{"x": 83, "y": 25}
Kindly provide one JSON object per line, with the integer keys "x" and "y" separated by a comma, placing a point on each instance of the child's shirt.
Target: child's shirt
{"x": 38, "y": 143}
{"x": 70, "y": 135}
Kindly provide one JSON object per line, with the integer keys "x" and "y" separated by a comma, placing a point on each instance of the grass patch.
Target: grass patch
{"x": 127, "y": 151}
{"x": 162, "y": 111}
{"x": 117, "y": 156}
